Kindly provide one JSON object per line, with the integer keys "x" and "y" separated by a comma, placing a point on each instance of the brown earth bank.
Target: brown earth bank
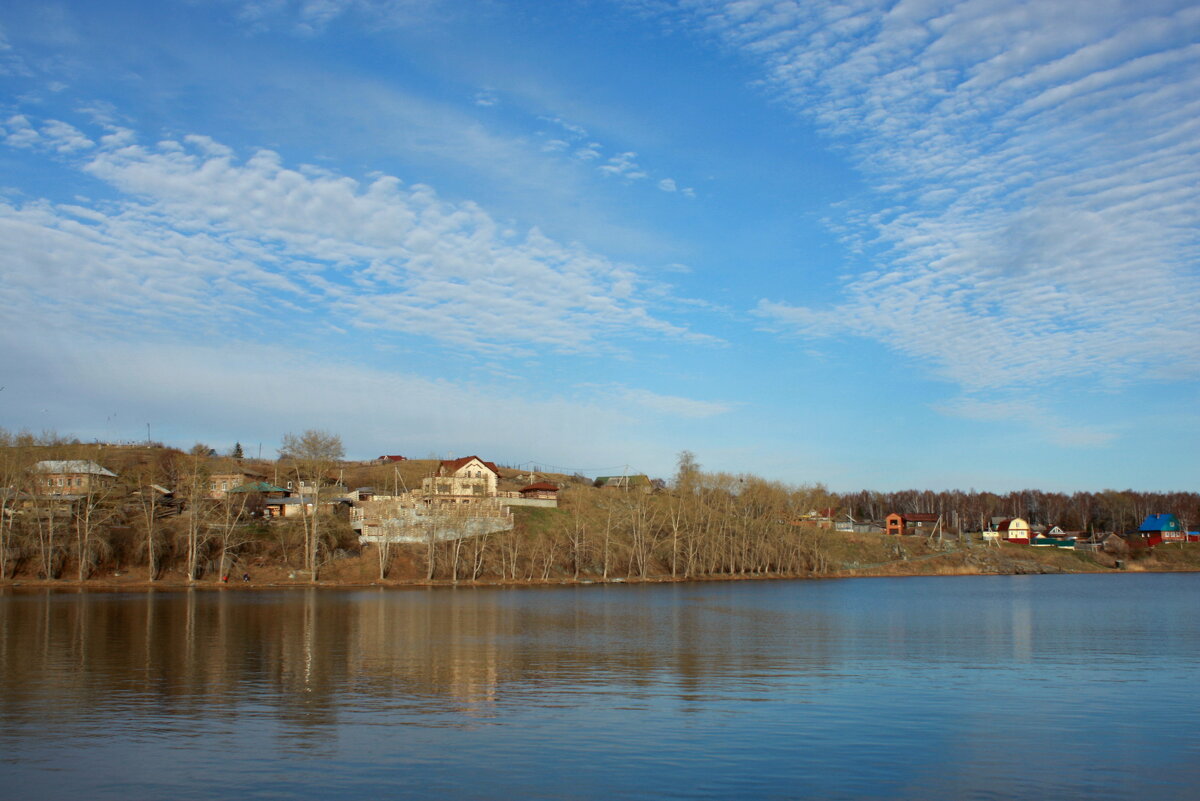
{"x": 911, "y": 557}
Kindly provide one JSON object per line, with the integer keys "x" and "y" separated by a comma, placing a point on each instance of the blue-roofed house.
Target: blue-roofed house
{"x": 1157, "y": 529}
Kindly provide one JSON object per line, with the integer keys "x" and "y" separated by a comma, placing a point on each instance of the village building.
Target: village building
{"x": 73, "y": 477}
{"x": 911, "y": 523}
{"x": 466, "y": 480}
{"x": 219, "y": 484}
{"x": 640, "y": 483}
{"x": 1014, "y": 529}
{"x": 1157, "y": 529}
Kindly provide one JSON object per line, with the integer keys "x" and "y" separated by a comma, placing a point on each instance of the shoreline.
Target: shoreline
{"x": 110, "y": 584}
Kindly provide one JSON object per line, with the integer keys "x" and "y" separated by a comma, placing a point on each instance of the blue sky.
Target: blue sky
{"x": 870, "y": 244}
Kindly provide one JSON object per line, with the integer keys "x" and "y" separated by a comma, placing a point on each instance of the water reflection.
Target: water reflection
{"x": 832, "y": 681}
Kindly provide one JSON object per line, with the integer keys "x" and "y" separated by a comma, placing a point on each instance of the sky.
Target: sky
{"x": 872, "y": 244}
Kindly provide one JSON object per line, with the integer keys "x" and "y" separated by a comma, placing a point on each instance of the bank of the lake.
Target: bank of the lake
{"x": 849, "y": 558}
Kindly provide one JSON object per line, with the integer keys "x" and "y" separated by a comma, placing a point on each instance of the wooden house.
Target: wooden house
{"x": 1015, "y": 529}
{"x": 1157, "y": 529}
{"x": 911, "y": 523}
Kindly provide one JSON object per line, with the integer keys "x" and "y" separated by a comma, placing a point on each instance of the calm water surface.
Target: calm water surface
{"x": 938, "y": 688}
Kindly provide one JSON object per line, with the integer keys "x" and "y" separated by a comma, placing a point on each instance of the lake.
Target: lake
{"x": 917, "y": 688}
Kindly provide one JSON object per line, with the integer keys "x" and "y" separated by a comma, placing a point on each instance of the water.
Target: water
{"x": 922, "y": 688}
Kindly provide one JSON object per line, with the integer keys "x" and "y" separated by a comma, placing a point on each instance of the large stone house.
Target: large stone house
{"x": 464, "y": 480}
{"x": 73, "y": 477}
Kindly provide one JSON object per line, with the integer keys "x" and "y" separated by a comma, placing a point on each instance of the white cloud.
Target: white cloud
{"x": 1037, "y": 201}
{"x": 667, "y": 185}
{"x": 623, "y": 165}
{"x": 110, "y": 388}
{"x": 486, "y": 98}
{"x": 588, "y": 152}
{"x": 203, "y": 236}
{"x": 1028, "y": 413}
{"x": 310, "y": 17}
{"x": 672, "y": 405}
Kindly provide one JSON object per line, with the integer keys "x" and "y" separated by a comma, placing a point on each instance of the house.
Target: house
{"x": 542, "y": 489}
{"x": 462, "y": 481}
{"x": 219, "y": 484}
{"x": 641, "y": 483}
{"x": 1014, "y": 529}
{"x": 388, "y": 459}
{"x": 911, "y": 523}
{"x": 846, "y": 523}
{"x": 1157, "y": 529}
{"x": 261, "y": 488}
{"x": 1054, "y": 536}
{"x": 73, "y": 477}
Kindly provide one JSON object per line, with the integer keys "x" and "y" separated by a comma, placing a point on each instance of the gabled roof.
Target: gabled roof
{"x": 73, "y": 466}
{"x": 454, "y": 465}
{"x": 541, "y": 485}
{"x": 1161, "y": 523}
{"x": 622, "y": 481}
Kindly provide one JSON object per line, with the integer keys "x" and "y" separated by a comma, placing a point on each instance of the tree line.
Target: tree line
{"x": 698, "y": 524}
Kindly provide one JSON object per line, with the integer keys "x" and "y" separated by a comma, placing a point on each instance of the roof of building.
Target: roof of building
{"x": 73, "y": 466}
{"x": 1163, "y": 522}
{"x": 1007, "y": 525}
{"x": 916, "y": 517}
{"x": 258, "y": 486}
{"x": 541, "y": 485}
{"x": 622, "y": 481}
{"x": 392, "y": 458}
{"x": 454, "y": 465}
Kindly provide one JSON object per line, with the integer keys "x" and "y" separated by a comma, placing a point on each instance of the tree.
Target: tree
{"x": 310, "y": 456}
{"x": 236, "y": 453}
{"x": 15, "y": 463}
{"x": 94, "y": 510}
{"x": 192, "y": 484}
{"x": 688, "y": 471}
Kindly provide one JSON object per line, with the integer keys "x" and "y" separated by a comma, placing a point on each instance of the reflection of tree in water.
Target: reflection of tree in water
{"x": 309, "y": 659}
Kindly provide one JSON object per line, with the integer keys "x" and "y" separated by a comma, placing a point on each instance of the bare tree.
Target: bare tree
{"x": 94, "y": 510}
{"x": 14, "y": 465}
{"x": 193, "y": 484}
{"x": 310, "y": 457}
{"x": 230, "y": 528}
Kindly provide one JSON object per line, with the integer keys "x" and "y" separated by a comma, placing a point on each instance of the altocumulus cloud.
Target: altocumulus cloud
{"x": 198, "y": 233}
{"x": 1037, "y": 196}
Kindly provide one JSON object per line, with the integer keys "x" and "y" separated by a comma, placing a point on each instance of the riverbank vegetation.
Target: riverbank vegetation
{"x": 158, "y": 522}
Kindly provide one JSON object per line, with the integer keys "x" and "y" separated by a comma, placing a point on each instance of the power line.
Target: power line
{"x": 561, "y": 469}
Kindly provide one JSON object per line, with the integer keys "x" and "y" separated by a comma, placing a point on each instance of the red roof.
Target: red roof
{"x": 393, "y": 458}
{"x": 541, "y": 485}
{"x": 454, "y": 465}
